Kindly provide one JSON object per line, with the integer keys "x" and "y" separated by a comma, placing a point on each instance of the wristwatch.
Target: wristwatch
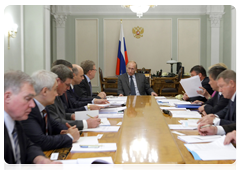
{"x": 88, "y": 106}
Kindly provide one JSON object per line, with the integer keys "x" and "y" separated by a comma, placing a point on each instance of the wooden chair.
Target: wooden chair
{"x": 104, "y": 84}
{"x": 175, "y": 90}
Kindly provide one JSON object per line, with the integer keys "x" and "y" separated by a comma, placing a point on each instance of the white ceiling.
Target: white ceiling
{"x": 118, "y": 10}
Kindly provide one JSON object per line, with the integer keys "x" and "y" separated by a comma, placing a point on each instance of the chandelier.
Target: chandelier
{"x": 139, "y": 9}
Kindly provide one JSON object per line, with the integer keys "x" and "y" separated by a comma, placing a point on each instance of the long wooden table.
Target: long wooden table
{"x": 143, "y": 138}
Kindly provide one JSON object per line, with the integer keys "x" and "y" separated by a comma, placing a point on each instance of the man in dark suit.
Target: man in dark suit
{"x": 201, "y": 72}
{"x": 132, "y": 83}
{"x": 18, "y": 102}
{"x": 217, "y": 102}
{"x": 40, "y": 127}
{"x": 57, "y": 110}
{"x": 226, "y": 82}
{"x": 73, "y": 102}
{"x": 84, "y": 89}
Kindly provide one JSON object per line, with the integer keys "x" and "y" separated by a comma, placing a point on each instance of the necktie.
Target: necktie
{"x": 45, "y": 120}
{"x": 133, "y": 92}
{"x": 17, "y": 150}
{"x": 90, "y": 85}
{"x": 230, "y": 110}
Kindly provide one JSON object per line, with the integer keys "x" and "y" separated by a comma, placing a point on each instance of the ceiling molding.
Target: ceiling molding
{"x": 118, "y": 10}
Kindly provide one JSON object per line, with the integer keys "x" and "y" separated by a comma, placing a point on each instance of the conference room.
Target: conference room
{"x": 165, "y": 41}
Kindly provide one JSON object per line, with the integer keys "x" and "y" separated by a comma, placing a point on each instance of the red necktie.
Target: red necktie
{"x": 46, "y": 119}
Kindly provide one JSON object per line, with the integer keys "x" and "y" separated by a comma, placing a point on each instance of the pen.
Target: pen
{"x": 91, "y": 117}
{"x": 90, "y": 146}
{"x": 205, "y": 126}
{"x": 183, "y": 92}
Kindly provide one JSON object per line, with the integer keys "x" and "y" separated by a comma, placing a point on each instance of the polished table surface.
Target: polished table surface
{"x": 143, "y": 138}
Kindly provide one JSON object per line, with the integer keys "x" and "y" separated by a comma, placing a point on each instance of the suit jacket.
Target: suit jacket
{"x": 34, "y": 128}
{"x": 207, "y": 87}
{"x": 27, "y": 149}
{"x": 225, "y": 116}
{"x": 215, "y": 104}
{"x": 142, "y": 84}
{"x": 72, "y": 104}
{"x": 229, "y": 127}
{"x": 57, "y": 112}
{"x": 83, "y": 89}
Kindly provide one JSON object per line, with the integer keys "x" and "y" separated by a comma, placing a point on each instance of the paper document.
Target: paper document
{"x": 117, "y": 98}
{"x": 192, "y": 122}
{"x": 100, "y": 147}
{"x": 160, "y": 97}
{"x": 180, "y": 127}
{"x": 191, "y": 86}
{"x": 102, "y": 129}
{"x": 91, "y": 140}
{"x": 117, "y": 103}
{"x": 84, "y": 115}
{"x": 115, "y": 115}
{"x": 103, "y": 105}
{"x": 105, "y": 122}
{"x": 114, "y": 110}
{"x": 215, "y": 150}
{"x": 96, "y": 160}
{"x": 198, "y": 138}
{"x": 186, "y": 114}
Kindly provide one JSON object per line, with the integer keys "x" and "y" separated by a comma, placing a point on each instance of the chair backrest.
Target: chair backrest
{"x": 179, "y": 77}
{"x": 101, "y": 78}
{"x": 143, "y": 70}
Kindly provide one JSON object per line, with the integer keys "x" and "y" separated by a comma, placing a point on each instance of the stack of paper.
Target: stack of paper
{"x": 212, "y": 151}
{"x": 191, "y": 86}
{"x": 181, "y": 127}
{"x": 102, "y": 129}
{"x": 96, "y": 160}
{"x": 186, "y": 114}
{"x": 198, "y": 138}
{"x": 114, "y": 115}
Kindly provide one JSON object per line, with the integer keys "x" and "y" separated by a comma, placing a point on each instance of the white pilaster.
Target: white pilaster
{"x": 234, "y": 30}
{"x": 215, "y": 14}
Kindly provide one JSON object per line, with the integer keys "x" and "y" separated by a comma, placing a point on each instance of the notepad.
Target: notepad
{"x": 102, "y": 129}
{"x": 215, "y": 150}
{"x": 186, "y": 114}
{"x": 198, "y": 138}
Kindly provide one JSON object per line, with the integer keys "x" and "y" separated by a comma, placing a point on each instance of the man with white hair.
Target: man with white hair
{"x": 18, "y": 102}
{"x": 40, "y": 127}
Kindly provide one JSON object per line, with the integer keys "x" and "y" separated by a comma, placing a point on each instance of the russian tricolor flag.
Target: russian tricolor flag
{"x": 122, "y": 58}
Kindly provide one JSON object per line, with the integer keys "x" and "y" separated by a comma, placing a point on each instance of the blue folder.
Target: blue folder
{"x": 188, "y": 106}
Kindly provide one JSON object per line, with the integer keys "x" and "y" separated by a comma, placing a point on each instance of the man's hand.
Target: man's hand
{"x": 230, "y": 137}
{"x": 72, "y": 116}
{"x": 102, "y": 95}
{"x": 93, "y": 122}
{"x": 100, "y": 101}
{"x": 154, "y": 94}
{"x": 201, "y": 109}
{"x": 43, "y": 160}
{"x": 120, "y": 94}
{"x": 73, "y": 131}
{"x": 95, "y": 107}
{"x": 208, "y": 119}
{"x": 208, "y": 130}
{"x": 185, "y": 97}
{"x": 197, "y": 102}
{"x": 204, "y": 92}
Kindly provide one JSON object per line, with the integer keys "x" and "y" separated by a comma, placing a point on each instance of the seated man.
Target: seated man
{"x": 72, "y": 101}
{"x": 40, "y": 127}
{"x": 57, "y": 110}
{"x": 18, "y": 102}
{"x": 132, "y": 83}
{"x": 217, "y": 102}
{"x": 226, "y": 82}
{"x": 201, "y": 72}
{"x": 84, "y": 89}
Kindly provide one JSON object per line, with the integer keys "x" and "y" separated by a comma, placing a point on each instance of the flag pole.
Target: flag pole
{"x": 121, "y": 21}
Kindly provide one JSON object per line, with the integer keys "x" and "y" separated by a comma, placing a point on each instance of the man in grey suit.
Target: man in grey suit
{"x": 132, "y": 83}
{"x": 57, "y": 110}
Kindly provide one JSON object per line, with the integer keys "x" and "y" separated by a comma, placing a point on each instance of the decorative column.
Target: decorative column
{"x": 60, "y": 35}
{"x": 215, "y": 14}
{"x": 234, "y": 33}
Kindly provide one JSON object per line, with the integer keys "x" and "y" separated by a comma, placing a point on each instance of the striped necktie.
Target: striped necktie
{"x": 45, "y": 120}
{"x": 16, "y": 144}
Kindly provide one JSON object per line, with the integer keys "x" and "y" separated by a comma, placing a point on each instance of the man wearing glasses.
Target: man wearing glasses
{"x": 84, "y": 89}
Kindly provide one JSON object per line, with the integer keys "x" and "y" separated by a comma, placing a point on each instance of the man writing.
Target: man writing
{"x": 18, "y": 102}
{"x": 132, "y": 83}
{"x": 40, "y": 127}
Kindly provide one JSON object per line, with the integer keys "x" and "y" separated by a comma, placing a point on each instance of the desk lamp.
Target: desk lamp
{"x": 171, "y": 62}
